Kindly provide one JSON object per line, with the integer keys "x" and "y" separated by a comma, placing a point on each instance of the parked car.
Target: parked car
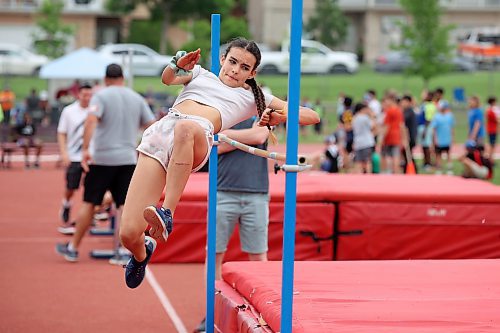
{"x": 316, "y": 58}
{"x": 398, "y": 61}
{"x": 16, "y": 60}
{"x": 145, "y": 61}
{"x": 481, "y": 45}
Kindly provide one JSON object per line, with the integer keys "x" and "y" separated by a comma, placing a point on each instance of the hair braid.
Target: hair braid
{"x": 258, "y": 95}
{"x": 261, "y": 104}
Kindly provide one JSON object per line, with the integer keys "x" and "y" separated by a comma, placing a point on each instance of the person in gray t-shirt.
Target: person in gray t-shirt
{"x": 242, "y": 195}
{"x": 364, "y": 140}
{"x": 116, "y": 114}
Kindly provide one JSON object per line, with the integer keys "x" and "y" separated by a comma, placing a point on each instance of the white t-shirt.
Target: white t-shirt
{"x": 234, "y": 104}
{"x": 376, "y": 108}
{"x": 71, "y": 123}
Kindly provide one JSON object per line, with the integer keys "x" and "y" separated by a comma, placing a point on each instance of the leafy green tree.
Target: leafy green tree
{"x": 53, "y": 36}
{"x": 200, "y": 31}
{"x": 173, "y": 11}
{"x": 425, "y": 39}
{"x": 328, "y": 24}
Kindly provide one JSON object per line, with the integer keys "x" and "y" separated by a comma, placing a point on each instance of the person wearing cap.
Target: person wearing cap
{"x": 443, "y": 127}
{"x": 116, "y": 113}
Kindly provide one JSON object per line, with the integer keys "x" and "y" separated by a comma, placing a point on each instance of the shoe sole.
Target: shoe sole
{"x": 158, "y": 229}
{"x": 66, "y": 230}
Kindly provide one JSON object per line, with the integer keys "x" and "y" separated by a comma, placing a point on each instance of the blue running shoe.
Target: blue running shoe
{"x": 160, "y": 221}
{"x": 134, "y": 270}
{"x": 62, "y": 249}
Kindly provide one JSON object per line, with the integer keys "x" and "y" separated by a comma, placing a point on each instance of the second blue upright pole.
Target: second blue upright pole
{"x": 292, "y": 142}
{"x": 212, "y": 192}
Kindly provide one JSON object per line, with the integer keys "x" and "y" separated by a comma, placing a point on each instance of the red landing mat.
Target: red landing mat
{"x": 187, "y": 242}
{"x": 323, "y": 187}
{"x": 420, "y": 296}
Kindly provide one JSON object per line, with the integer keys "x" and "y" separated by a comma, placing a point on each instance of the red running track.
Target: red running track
{"x": 41, "y": 292}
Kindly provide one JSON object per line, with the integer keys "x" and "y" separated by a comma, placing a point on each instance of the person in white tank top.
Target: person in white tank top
{"x": 180, "y": 142}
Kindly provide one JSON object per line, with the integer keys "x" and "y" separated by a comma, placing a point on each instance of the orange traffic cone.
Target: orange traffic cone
{"x": 410, "y": 168}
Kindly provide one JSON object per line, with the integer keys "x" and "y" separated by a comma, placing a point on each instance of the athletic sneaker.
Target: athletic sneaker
{"x": 160, "y": 221}
{"x": 135, "y": 270}
{"x": 62, "y": 249}
{"x": 201, "y": 327}
{"x": 67, "y": 229}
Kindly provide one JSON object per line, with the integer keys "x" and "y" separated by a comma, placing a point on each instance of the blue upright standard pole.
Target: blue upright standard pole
{"x": 212, "y": 192}
{"x": 292, "y": 142}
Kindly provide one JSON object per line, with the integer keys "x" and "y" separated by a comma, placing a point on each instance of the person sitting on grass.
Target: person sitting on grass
{"x": 476, "y": 164}
{"x": 179, "y": 143}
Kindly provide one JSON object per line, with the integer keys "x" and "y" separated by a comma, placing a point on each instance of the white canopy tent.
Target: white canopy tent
{"x": 83, "y": 64}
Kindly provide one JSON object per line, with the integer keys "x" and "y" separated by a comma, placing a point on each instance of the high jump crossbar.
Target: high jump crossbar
{"x": 302, "y": 166}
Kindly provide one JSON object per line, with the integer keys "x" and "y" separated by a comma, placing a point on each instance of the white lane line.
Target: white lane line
{"x": 165, "y": 302}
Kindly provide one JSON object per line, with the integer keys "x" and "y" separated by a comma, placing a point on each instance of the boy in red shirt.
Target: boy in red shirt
{"x": 492, "y": 117}
{"x": 390, "y": 143}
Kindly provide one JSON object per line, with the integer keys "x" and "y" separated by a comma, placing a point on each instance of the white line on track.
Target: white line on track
{"x": 165, "y": 302}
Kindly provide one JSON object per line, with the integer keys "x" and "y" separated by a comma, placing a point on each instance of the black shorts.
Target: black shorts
{"x": 102, "y": 178}
{"x": 493, "y": 138}
{"x": 74, "y": 176}
{"x": 443, "y": 149}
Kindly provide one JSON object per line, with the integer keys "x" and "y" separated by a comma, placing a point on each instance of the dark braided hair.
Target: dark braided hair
{"x": 251, "y": 47}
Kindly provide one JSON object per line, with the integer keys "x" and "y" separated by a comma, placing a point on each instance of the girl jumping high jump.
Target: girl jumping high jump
{"x": 179, "y": 143}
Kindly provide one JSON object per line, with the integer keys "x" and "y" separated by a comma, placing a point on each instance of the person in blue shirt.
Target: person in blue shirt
{"x": 476, "y": 132}
{"x": 443, "y": 125}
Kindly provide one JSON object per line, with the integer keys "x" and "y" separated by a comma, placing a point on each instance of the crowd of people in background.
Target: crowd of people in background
{"x": 373, "y": 135}
{"x": 383, "y": 136}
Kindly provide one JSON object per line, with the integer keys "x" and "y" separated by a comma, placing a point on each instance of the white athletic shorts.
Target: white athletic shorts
{"x": 157, "y": 140}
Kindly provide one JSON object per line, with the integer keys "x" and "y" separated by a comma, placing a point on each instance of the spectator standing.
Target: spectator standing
{"x": 391, "y": 135}
{"x": 428, "y": 111}
{"x": 7, "y": 101}
{"x": 346, "y": 123}
{"x": 116, "y": 114}
{"x": 492, "y": 118}
{"x": 70, "y": 140}
{"x": 320, "y": 110}
{"x": 410, "y": 120}
{"x": 374, "y": 105}
{"x": 363, "y": 126}
{"x": 242, "y": 195}
{"x": 441, "y": 103}
{"x": 476, "y": 123}
{"x": 443, "y": 125}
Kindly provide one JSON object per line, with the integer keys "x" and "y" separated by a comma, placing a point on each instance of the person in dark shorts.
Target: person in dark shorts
{"x": 242, "y": 196}
{"x": 116, "y": 114}
{"x": 70, "y": 140}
